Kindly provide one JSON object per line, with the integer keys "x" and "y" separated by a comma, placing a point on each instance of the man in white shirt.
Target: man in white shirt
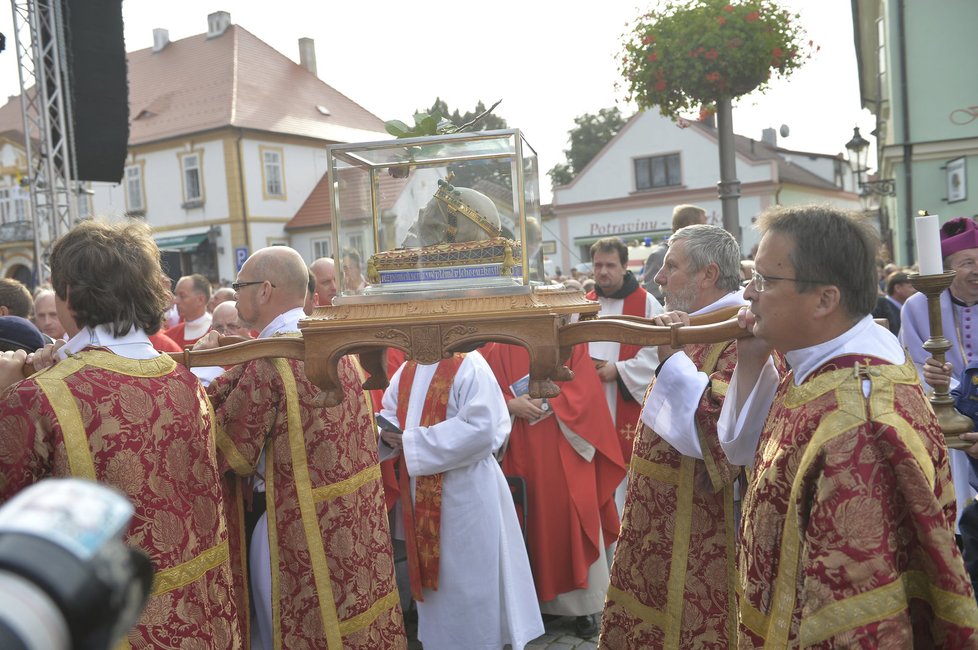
{"x": 625, "y": 370}
{"x": 191, "y": 297}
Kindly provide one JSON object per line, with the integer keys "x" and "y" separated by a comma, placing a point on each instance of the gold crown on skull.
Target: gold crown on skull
{"x": 452, "y": 198}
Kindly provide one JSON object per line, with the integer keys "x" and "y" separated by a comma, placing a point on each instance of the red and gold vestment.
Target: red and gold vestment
{"x": 332, "y": 562}
{"x": 673, "y": 574}
{"x": 144, "y": 427}
{"x": 848, "y": 521}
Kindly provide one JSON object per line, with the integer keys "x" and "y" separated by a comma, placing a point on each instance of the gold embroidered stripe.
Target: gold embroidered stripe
{"x": 347, "y": 486}
{"x": 751, "y": 617}
{"x": 646, "y": 614}
{"x": 183, "y": 574}
{"x": 52, "y": 383}
{"x": 155, "y": 367}
{"x": 914, "y": 442}
{"x": 730, "y": 538}
{"x": 883, "y": 603}
{"x": 360, "y": 621}
{"x": 307, "y": 509}
{"x": 785, "y": 596}
{"x": 234, "y": 457}
{"x": 719, "y": 388}
{"x": 655, "y": 471}
{"x": 680, "y": 552}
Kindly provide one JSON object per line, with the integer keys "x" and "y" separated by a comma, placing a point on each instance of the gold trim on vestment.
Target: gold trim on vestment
{"x": 307, "y": 509}
{"x": 347, "y": 486}
{"x": 273, "y": 555}
{"x": 234, "y": 457}
{"x": 884, "y": 602}
{"x": 365, "y": 619}
{"x": 851, "y": 413}
{"x": 185, "y": 573}
{"x": 835, "y": 424}
{"x": 650, "y": 615}
{"x": 654, "y": 471}
{"x": 708, "y": 367}
{"x": 730, "y": 538}
{"x": 683, "y": 523}
{"x": 155, "y": 367}
{"x": 915, "y": 444}
{"x": 52, "y": 383}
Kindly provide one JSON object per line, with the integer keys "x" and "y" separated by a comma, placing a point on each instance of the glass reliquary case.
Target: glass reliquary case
{"x": 457, "y": 213}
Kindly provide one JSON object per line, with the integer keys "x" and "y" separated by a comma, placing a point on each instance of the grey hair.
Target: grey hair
{"x": 707, "y": 244}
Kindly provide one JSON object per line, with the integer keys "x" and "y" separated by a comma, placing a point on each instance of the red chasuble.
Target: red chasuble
{"x": 176, "y": 333}
{"x": 332, "y": 561}
{"x": 848, "y": 522}
{"x": 627, "y": 410}
{"x": 571, "y": 500}
{"x": 144, "y": 427}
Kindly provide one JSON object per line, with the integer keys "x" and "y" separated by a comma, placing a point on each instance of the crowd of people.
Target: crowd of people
{"x": 786, "y": 489}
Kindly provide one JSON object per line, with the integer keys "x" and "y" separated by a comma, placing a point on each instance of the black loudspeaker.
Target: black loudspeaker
{"x": 99, "y": 89}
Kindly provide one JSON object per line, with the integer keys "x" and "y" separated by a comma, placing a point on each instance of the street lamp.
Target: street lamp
{"x": 858, "y": 148}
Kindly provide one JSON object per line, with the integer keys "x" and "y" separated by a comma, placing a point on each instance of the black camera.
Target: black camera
{"x": 67, "y": 579}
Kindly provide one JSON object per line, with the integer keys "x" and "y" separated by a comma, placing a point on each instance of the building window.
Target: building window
{"x": 657, "y": 171}
{"x": 193, "y": 180}
{"x": 135, "y": 203}
{"x": 13, "y": 205}
{"x": 321, "y": 248}
{"x": 271, "y": 173}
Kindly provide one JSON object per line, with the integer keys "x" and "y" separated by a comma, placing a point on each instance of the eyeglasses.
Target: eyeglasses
{"x": 230, "y": 328}
{"x": 238, "y": 286}
{"x": 761, "y": 281}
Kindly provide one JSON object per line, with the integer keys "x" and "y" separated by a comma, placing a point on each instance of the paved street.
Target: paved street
{"x": 559, "y": 636}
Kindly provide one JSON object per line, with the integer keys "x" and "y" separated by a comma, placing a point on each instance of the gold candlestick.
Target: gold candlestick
{"x": 952, "y": 422}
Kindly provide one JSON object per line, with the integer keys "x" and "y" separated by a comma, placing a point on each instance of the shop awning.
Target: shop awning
{"x": 182, "y": 243}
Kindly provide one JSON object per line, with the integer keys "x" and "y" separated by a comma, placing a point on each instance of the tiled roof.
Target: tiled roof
{"x": 236, "y": 79}
{"x": 317, "y": 210}
{"x": 759, "y": 150}
{"x": 198, "y": 84}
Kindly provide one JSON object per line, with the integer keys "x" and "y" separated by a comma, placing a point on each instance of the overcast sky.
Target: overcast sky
{"x": 548, "y": 61}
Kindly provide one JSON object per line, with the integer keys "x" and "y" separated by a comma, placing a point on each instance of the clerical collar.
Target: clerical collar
{"x": 960, "y": 303}
{"x": 630, "y": 285}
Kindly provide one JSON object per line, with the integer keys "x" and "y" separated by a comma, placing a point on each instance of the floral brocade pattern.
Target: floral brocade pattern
{"x": 149, "y": 436}
{"x": 338, "y": 482}
{"x": 848, "y": 523}
{"x": 672, "y": 575}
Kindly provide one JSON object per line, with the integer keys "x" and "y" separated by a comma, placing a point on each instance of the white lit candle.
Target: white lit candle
{"x": 928, "y": 233}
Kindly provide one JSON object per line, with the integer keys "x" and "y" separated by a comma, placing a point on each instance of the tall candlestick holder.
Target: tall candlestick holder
{"x": 953, "y": 423}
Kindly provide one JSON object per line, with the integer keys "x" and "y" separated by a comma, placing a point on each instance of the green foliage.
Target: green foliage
{"x": 437, "y": 121}
{"x": 692, "y": 53}
{"x": 587, "y": 138}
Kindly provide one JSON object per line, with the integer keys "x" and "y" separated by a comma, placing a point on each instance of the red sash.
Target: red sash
{"x": 422, "y": 522}
{"x": 627, "y": 411}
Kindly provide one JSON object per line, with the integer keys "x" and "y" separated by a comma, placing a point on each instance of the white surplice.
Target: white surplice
{"x": 485, "y": 597}
{"x": 636, "y": 373}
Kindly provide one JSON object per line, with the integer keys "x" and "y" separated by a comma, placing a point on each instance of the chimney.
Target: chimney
{"x": 161, "y": 38}
{"x": 769, "y": 137}
{"x": 307, "y": 54}
{"x": 217, "y": 23}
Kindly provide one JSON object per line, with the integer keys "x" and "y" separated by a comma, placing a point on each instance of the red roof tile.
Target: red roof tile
{"x": 235, "y": 79}
{"x": 317, "y": 211}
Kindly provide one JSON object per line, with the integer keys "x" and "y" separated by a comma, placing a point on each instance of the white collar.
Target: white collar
{"x": 134, "y": 344}
{"x": 287, "y": 322}
{"x": 732, "y": 299}
{"x": 206, "y": 318}
{"x": 865, "y": 337}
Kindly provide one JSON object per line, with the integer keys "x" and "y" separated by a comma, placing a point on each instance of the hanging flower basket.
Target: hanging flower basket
{"x": 692, "y": 53}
